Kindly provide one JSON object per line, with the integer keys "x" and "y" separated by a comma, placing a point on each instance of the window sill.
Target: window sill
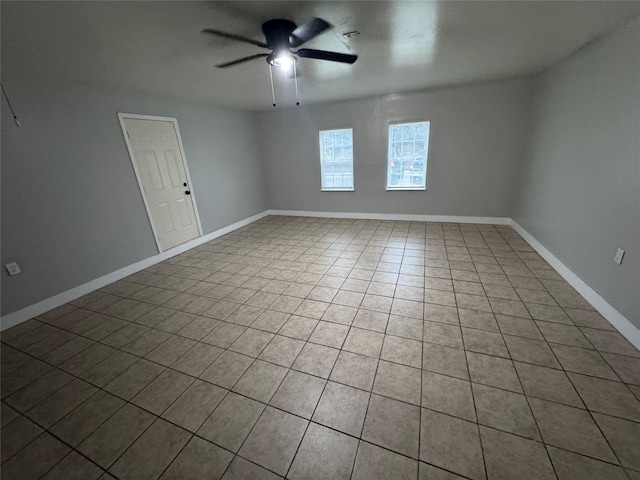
{"x": 337, "y": 189}
{"x": 406, "y": 189}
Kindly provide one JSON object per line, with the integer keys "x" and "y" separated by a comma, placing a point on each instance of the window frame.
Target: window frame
{"x": 322, "y": 166}
{"x": 391, "y": 124}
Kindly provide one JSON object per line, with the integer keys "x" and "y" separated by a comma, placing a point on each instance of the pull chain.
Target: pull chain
{"x": 273, "y": 93}
{"x": 295, "y": 80}
{"x": 15, "y": 117}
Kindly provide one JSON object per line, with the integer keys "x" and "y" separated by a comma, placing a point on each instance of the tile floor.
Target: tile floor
{"x": 322, "y": 348}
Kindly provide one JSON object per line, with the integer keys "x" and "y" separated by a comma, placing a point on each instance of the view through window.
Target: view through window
{"x": 336, "y": 159}
{"x": 407, "y": 161}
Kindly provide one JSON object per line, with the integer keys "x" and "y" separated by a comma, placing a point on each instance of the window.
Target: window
{"x": 408, "y": 147}
{"x": 336, "y": 159}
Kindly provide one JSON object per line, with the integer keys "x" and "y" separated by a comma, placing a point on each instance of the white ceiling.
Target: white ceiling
{"x": 157, "y": 47}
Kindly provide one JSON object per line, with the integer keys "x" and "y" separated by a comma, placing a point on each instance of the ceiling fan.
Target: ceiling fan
{"x": 281, "y": 37}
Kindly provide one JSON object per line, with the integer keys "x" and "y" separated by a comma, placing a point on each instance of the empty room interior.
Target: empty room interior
{"x": 320, "y": 240}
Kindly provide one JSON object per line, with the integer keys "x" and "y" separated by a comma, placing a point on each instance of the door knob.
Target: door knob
{"x": 187, "y": 192}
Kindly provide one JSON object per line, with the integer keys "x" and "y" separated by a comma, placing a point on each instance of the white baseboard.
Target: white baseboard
{"x": 395, "y": 216}
{"x": 613, "y": 316}
{"x": 50, "y": 303}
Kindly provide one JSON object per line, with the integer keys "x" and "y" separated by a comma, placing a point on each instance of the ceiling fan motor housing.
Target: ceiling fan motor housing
{"x": 277, "y": 33}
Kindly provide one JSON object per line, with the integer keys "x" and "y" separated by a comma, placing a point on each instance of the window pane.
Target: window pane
{"x": 408, "y": 145}
{"x": 336, "y": 159}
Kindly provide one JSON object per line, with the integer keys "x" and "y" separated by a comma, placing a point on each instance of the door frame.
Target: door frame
{"x": 122, "y": 116}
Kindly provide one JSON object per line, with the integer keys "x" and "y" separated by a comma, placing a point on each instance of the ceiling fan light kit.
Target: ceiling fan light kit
{"x": 282, "y": 60}
{"x": 281, "y": 37}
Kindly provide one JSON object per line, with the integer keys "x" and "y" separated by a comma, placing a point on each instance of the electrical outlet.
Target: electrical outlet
{"x": 618, "y": 257}
{"x": 13, "y": 268}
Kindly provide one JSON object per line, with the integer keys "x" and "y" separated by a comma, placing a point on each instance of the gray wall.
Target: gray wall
{"x": 71, "y": 207}
{"x": 580, "y": 186}
{"x": 477, "y": 142}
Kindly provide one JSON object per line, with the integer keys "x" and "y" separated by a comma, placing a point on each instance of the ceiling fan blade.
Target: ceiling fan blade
{"x": 233, "y": 36}
{"x": 242, "y": 60}
{"x": 307, "y": 31}
{"x": 324, "y": 55}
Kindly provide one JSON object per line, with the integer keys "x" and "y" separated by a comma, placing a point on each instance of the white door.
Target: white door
{"x": 161, "y": 172}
